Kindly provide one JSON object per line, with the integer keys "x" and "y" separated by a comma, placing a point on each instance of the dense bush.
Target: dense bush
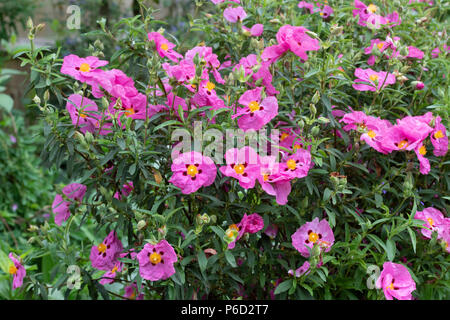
{"x": 352, "y": 195}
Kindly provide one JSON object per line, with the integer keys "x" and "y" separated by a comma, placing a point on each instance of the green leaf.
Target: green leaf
{"x": 283, "y": 287}
{"x": 412, "y": 235}
{"x": 390, "y": 249}
{"x": 230, "y": 258}
{"x": 5, "y": 262}
{"x": 6, "y": 102}
{"x": 202, "y": 260}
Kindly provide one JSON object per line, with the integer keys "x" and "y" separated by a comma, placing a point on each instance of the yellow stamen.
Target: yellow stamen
{"x": 291, "y": 164}
{"x": 12, "y": 270}
{"x": 296, "y": 147}
{"x": 114, "y": 269}
{"x": 373, "y": 77}
{"x": 192, "y": 170}
{"x": 321, "y": 13}
{"x": 380, "y": 45}
{"x": 284, "y": 136}
{"x": 85, "y": 67}
{"x": 155, "y": 258}
{"x": 430, "y": 221}
{"x": 82, "y": 115}
{"x": 164, "y": 47}
{"x": 101, "y": 248}
{"x": 438, "y": 134}
{"x": 133, "y": 296}
{"x": 313, "y": 237}
{"x": 253, "y": 106}
{"x": 234, "y": 227}
{"x": 423, "y": 150}
{"x": 403, "y": 144}
{"x": 129, "y": 112}
{"x": 391, "y": 286}
{"x": 239, "y": 169}
{"x": 210, "y": 86}
{"x": 371, "y": 134}
{"x": 372, "y": 8}
{"x": 265, "y": 177}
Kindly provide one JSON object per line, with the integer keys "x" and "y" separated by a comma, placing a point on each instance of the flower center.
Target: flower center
{"x": 296, "y": 147}
{"x": 129, "y": 112}
{"x": 155, "y": 258}
{"x": 423, "y": 150}
{"x": 164, "y": 47}
{"x": 313, "y": 237}
{"x": 291, "y": 164}
{"x": 284, "y": 136}
{"x": 265, "y": 177}
{"x": 403, "y": 144}
{"x": 391, "y": 286}
{"x": 133, "y": 295}
{"x": 192, "y": 170}
{"x": 371, "y": 134}
{"x": 85, "y": 67}
{"x": 373, "y": 77}
{"x": 239, "y": 169}
{"x": 380, "y": 45}
{"x": 114, "y": 269}
{"x": 253, "y": 106}
{"x": 12, "y": 270}
{"x": 438, "y": 134}
{"x": 101, "y": 248}
{"x": 321, "y": 13}
{"x": 82, "y": 115}
{"x": 430, "y": 221}
{"x": 372, "y": 8}
{"x": 234, "y": 227}
{"x": 210, "y": 86}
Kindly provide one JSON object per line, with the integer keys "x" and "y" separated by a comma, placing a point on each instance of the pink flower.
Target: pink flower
{"x": 206, "y": 54}
{"x": 250, "y": 63}
{"x": 242, "y": 164}
{"x": 234, "y": 14}
{"x": 396, "y": 282}
{"x": 18, "y": 272}
{"x": 192, "y": 171}
{"x": 256, "y": 113}
{"x": 156, "y": 261}
{"x": 164, "y": 47}
{"x": 75, "y": 191}
{"x": 131, "y": 292}
{"x": 271, "y": 231}
{"x": 272, "y": 181}
{"x": 83, "y": 112}
{"x": 372, "y": 80}
{"x": 257, "y": 29}
{"x": 304, "y": 269}
{"x": 420, "y": 85}
{"x": 439, "y": 138}
{"x": 435, "y": 52}
{"x": 296, "y": 165}
{"x": 367, "y": 15}
{"x": 109, "y": 276}
{"x": 294, "y": 39}
{"x": 249, "y": 224}
{"x": 104, "y": 256}
{"x": 434, "y": 221}
{"x": 126, "y": 190}
{"x": 82, "y": 69}
{"x": 415, "y": 53}
{"x": 60, "y": 208}
{"x": 311, "y": 233}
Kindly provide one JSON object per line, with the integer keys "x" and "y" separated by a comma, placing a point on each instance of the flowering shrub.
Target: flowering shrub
{"x": 216, "y": 169}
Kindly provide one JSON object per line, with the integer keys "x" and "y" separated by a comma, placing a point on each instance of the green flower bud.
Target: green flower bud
{"x": 315, "y": 131}
{"x": 141, "y": 225}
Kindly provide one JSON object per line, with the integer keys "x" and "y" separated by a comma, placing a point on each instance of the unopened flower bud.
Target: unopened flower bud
{"x": 37, "y": 100}
{"x": 141, "y": 225}
{"x": 315, "y": 131}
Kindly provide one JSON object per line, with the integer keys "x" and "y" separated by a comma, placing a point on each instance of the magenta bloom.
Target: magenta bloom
{"x": 75, "y": 191}
{"x": 234, "y": 14}
{"x": 415, "y": 53}
{"x": 256, "y": 113}
{"x": 109, "y": 276}
{"x": 370, "y": 80}
{"x": 104, "y": 256}
{"x": 256, "y": 30}
{"x": 60, "y": 208}
{"x": 396, "y": 282}
{"x": 131, "y": 292}
{"x": 304, "y": 269}
{"x": 206, "y": 54}
{"x": 82, "y": 69}
{"x": 17, "y": 270}
{"x": 242, "y": 164}
{"x": 324, "y": 11}
{"x": 272, "y": 181}
{"x": 367, "y": 15}
{"x": 191, "y": 171}
{"x": 84, "y": 116}
{"x": 249, "y": 224}
{"x": 156, "y": 261}
{"x": 297, "y": 165}
{"x": 439, "y": 138}
{"x": 313, "y": 232}
{"x": 125, "y": 191}
{"x": 164, "y": 47}
{"x": 294, "y": 39}
{"x": 434, "y": 221}
{"x": 271, "y": 231}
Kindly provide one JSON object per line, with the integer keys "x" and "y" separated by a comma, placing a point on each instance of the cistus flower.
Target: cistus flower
{"x": 249, "y": 224}
{"x": 370, "y": 80}
{"x": 156, "y": 261}
{"x": 296, "y": 165}
{"x": 191, "y": 171}
{"x": 60, "y": 208}
{"x": 415, "y": 53}
{"x": 105, "y": 255}
{"x": 131, "y": 292}
{"x": 434, "y": 221}
{"x": 164, "y": 47}
{"x": 396, "y": 282}
{"x": 257, "y": 112}
{"x": 109, "y": 276}
{"x": 256, "y": 30}
{"x": 439, "y": 138}
{"x": 82, "y": 69}
{"x": 293, "y": 39}
{"x": 83, "y": 112}
{"x": 127, "y": 188}
{"x": 75, "y": 191}
{"x": 242, "y": 164}
{"x": 304, "y": 269}
{"x": 17, "y": 270}
{"x": 324, "y": 10}
{"x": 234, "y": 15}
{"x": 314, "y": 232}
